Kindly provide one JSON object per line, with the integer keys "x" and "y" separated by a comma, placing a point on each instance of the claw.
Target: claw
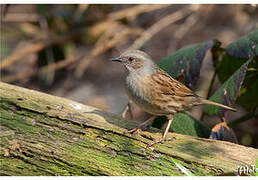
{"x": 132, "y": 131}
{"x": 128, "y": 109}
{"x": 160, "y": 141}
{"x": 141, "y": 125}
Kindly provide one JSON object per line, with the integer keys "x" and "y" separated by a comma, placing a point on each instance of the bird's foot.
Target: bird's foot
{"x": 132, "y": 131}
{"x": 128, "y": 110}
{"x": 160, "y": 141}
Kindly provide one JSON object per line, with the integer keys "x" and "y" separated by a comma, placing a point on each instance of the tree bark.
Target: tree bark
{"x": 43, "y": 134}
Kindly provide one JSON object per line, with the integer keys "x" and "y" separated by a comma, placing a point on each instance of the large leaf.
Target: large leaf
{"x": 187, "y": 62}
{"x": 228, "y": 66}
{"x": 248, "y": 96}
{"x": 184, "y": 123}
{"x": 236, "y": 54}
{"x": 232, "y": 87}
{"x": 245, "y": 47}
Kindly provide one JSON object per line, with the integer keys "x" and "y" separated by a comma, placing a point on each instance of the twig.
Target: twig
{"x": 128, "y": 108}
{"x": 119, "y": 38}
{"x": 81, "y": 8}
{"x": 211, "y": 84}
{"x": 18, "y": 55}
{"x": 154, "y": 29}
{"x": 184, "y": 28}
{"x": 132, "y": 12}
{"x": 111, "y": 21}
{"x": 243, "y": 118}
{"x": 21, "y": 17}
{"x": 102, "y": 45}
{"x": 45, "y": 69}
{"x": 59, "y": 65}
{"x": 49, "y": 51}
{"x": 19, "y": 76}
{"x": 32, "y": 30}
{"x": 33, "y": 48}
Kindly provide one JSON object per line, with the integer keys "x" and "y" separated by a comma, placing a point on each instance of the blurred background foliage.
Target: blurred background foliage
{"x": 65, "y": 50}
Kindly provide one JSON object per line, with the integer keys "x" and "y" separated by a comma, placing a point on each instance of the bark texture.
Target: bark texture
{"x": 47, "y": 135}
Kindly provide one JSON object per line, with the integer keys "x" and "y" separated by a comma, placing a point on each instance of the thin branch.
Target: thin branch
{"x": 19, "y": 76}
{"x": 21, "y": 17}
{"x": 99, "y": 48}
{"x": 109, "y": 28}
{"x": 184, "y": 28}
{"x": 211, "y": 84}
{"x": 243, "y": 118}
{"x": 111, "y": 21}
{"x": 46, "y": 69}
{"x": 132, "y": 12}
{"x": 18, "y": 55}
{"x": 33, "y": 48}
{"x": 158, "y": 26}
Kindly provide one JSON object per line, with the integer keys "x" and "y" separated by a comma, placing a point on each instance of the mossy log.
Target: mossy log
{"x": 46, "y": 135}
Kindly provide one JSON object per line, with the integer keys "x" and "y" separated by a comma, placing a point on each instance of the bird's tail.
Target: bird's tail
{"x": 205, "y": 101}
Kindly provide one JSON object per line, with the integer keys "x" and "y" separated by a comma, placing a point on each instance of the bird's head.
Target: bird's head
{"x": 136, "y": 61}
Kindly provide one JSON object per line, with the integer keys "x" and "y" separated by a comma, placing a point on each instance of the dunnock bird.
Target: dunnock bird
{"x": 155, "y": 91}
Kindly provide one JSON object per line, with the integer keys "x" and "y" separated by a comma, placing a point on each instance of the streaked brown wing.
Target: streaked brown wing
{"x": 168, "y": 85}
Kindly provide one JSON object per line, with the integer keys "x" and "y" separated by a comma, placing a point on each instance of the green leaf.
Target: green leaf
{"x": 184, "y": 123}
{"x": 187, "y": 62}
{"x": 256, "y": 166}
{"x": 182, "y": 168}
{"x": 245, "y": 47}
{"x": 228, "y": 66}
{"x": 237, "y": 53}
{"x": 232, "y": 87}
{"x": 248, "y": 97}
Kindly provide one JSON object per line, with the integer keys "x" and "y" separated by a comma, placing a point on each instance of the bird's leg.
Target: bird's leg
{"x": 128, "y": 108}
{"x": 141, "y": 125}
{"x": 165, "y": 133}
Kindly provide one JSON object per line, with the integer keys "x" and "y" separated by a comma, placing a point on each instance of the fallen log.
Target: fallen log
{"x": 43, "y": 134}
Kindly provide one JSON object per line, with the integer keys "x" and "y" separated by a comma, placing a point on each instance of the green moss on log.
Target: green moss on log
{"x": 46, "y": 135}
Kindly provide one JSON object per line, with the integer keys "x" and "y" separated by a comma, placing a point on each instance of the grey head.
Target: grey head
{"x": 136, "y": 61}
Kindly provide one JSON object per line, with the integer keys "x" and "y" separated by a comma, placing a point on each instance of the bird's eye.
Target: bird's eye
{"x": 130, "y": 59}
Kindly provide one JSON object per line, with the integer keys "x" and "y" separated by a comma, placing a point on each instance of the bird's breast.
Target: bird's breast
{"x": 136, "y": 90}
{"x": 141, "y": 93}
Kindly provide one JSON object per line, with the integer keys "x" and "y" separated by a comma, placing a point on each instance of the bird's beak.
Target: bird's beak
{"x": 118, "y": 59}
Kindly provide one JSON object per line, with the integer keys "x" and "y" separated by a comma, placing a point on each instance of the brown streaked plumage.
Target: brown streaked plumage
{"x": 155, "y": 91}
